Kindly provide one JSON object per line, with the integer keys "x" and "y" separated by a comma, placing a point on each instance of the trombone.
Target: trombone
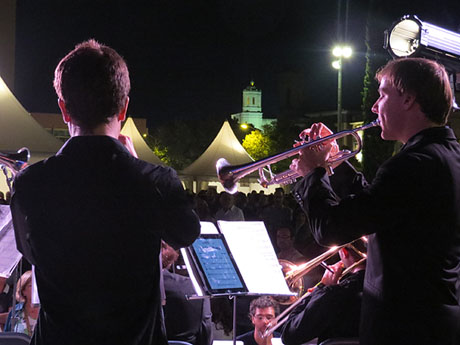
{"x": 304, "y": 269}
{"x": 13, "y": 162}
{"x": 229, "y": 175}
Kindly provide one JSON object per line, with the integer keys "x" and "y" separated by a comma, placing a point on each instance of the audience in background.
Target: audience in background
{"x": 285, "y": 245}
{"x": 25, "y": 314}
{"x": 276, "y": 215}
{"x": 6, "y": 299}
{"x": 227, "y": 210}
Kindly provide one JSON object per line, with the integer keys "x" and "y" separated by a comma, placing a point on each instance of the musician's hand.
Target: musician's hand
{"x": 332, "y": 278}
{"x": 317, "y": 155}
{"x": 261, "y": 339}
{"x": 128, "y": 143}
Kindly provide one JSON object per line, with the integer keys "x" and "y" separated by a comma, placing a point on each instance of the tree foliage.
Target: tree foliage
{"x": 257, "y": 145}
{"x": 375, "y": 150}
{"x": 180, "y": 142}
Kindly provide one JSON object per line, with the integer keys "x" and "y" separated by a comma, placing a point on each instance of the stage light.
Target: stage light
{"x": 410, "y": 36}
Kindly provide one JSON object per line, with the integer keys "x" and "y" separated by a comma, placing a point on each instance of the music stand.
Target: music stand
{"x": 218, "y": 263}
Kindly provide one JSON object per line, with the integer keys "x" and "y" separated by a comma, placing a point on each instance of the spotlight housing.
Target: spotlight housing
{"x": 409, "y": 36}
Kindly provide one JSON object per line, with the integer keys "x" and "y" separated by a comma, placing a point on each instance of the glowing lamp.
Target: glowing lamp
{"x": 410, "y": 36}
{"x": 336, "y": 64}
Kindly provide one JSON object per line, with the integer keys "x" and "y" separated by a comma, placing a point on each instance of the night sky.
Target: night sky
{"x": 194, "y": 57}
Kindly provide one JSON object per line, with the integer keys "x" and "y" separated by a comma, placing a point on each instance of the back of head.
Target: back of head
{"x": 426, "y": 80}
{"x": 93, "y": 82}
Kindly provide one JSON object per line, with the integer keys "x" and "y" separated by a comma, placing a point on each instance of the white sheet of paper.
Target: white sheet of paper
{"x": 9, "y": 255}
{"x": 208, "y": 228}
{"x": 256, "y": 259}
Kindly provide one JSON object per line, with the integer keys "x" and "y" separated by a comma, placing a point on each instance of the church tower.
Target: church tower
{"x": 252, "y": 108}
{"x": 252, "y": 99}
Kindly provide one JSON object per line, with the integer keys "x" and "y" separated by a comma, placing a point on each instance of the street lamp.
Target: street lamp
{"x": 340, "y": 52}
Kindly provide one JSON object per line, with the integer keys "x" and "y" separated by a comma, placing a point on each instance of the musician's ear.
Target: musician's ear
{"x": 408, "y": 100}
{"x": 122, "y": 115}
{"x": 65, "y": 114}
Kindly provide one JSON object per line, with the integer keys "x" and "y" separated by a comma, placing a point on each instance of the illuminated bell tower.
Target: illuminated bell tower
{"x": 252, "y": 108}
{"x": 252, "y": 99}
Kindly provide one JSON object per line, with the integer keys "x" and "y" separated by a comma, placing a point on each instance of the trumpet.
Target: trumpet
{"x": 229, "y": 175}
{"x": 13, "y": 162}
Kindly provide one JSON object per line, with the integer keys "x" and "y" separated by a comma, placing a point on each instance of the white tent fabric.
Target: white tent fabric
{"x": 202, "y": 173}
{"x": 225, "y": 145}
{"x": 143, "y": 150}
{"x": 19, "y": 129}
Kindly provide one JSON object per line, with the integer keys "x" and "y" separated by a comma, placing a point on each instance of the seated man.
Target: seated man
{"x": 333, "y": 309}
{"x": 262, "y": 311}
{"x": 285, "y": 244}
{"x": 228, "y": 210}
{"x": 194, "y": 325}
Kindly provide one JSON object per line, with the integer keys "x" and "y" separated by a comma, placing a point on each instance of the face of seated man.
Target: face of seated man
{"x": 262, "y": 318}
{"x": 284, "y": 239}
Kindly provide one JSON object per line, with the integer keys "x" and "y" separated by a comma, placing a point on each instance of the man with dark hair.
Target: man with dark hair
{"x": 411, "y": 211}
{"x": 262, "y": 311}
{"x": 91, "y": 217}
{"x": 333, "y": 308}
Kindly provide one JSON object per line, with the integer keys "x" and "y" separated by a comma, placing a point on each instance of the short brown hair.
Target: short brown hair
{"x": 426, "y": 80}
{"x": 262, "y": 302}
{"x": 93, "y": 82}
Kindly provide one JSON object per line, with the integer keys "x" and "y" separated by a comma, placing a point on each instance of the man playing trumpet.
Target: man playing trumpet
{"x": 410, "y": 210}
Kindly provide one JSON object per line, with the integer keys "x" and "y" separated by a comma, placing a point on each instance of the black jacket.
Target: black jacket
{"x": 412, "y": 211}
{"x": 91, "y": 219}
{"x": 329, "y": 312}
{"x": 186, "y": 319}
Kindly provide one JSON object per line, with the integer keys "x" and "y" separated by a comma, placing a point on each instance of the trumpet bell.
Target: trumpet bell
{"x": 226, "y": 175}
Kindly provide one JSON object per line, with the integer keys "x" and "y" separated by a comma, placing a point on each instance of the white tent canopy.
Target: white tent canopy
{"x": 143, "y": 150}
{"x": 202, "y": 172}
{"x": 19, "y": 129}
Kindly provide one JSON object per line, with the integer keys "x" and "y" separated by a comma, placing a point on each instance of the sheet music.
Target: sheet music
{"x": 208, "y": 228}
{"x": 256, "y": 259}
{"x": 5, "y": 216}
{"x": 9, "y": 255}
